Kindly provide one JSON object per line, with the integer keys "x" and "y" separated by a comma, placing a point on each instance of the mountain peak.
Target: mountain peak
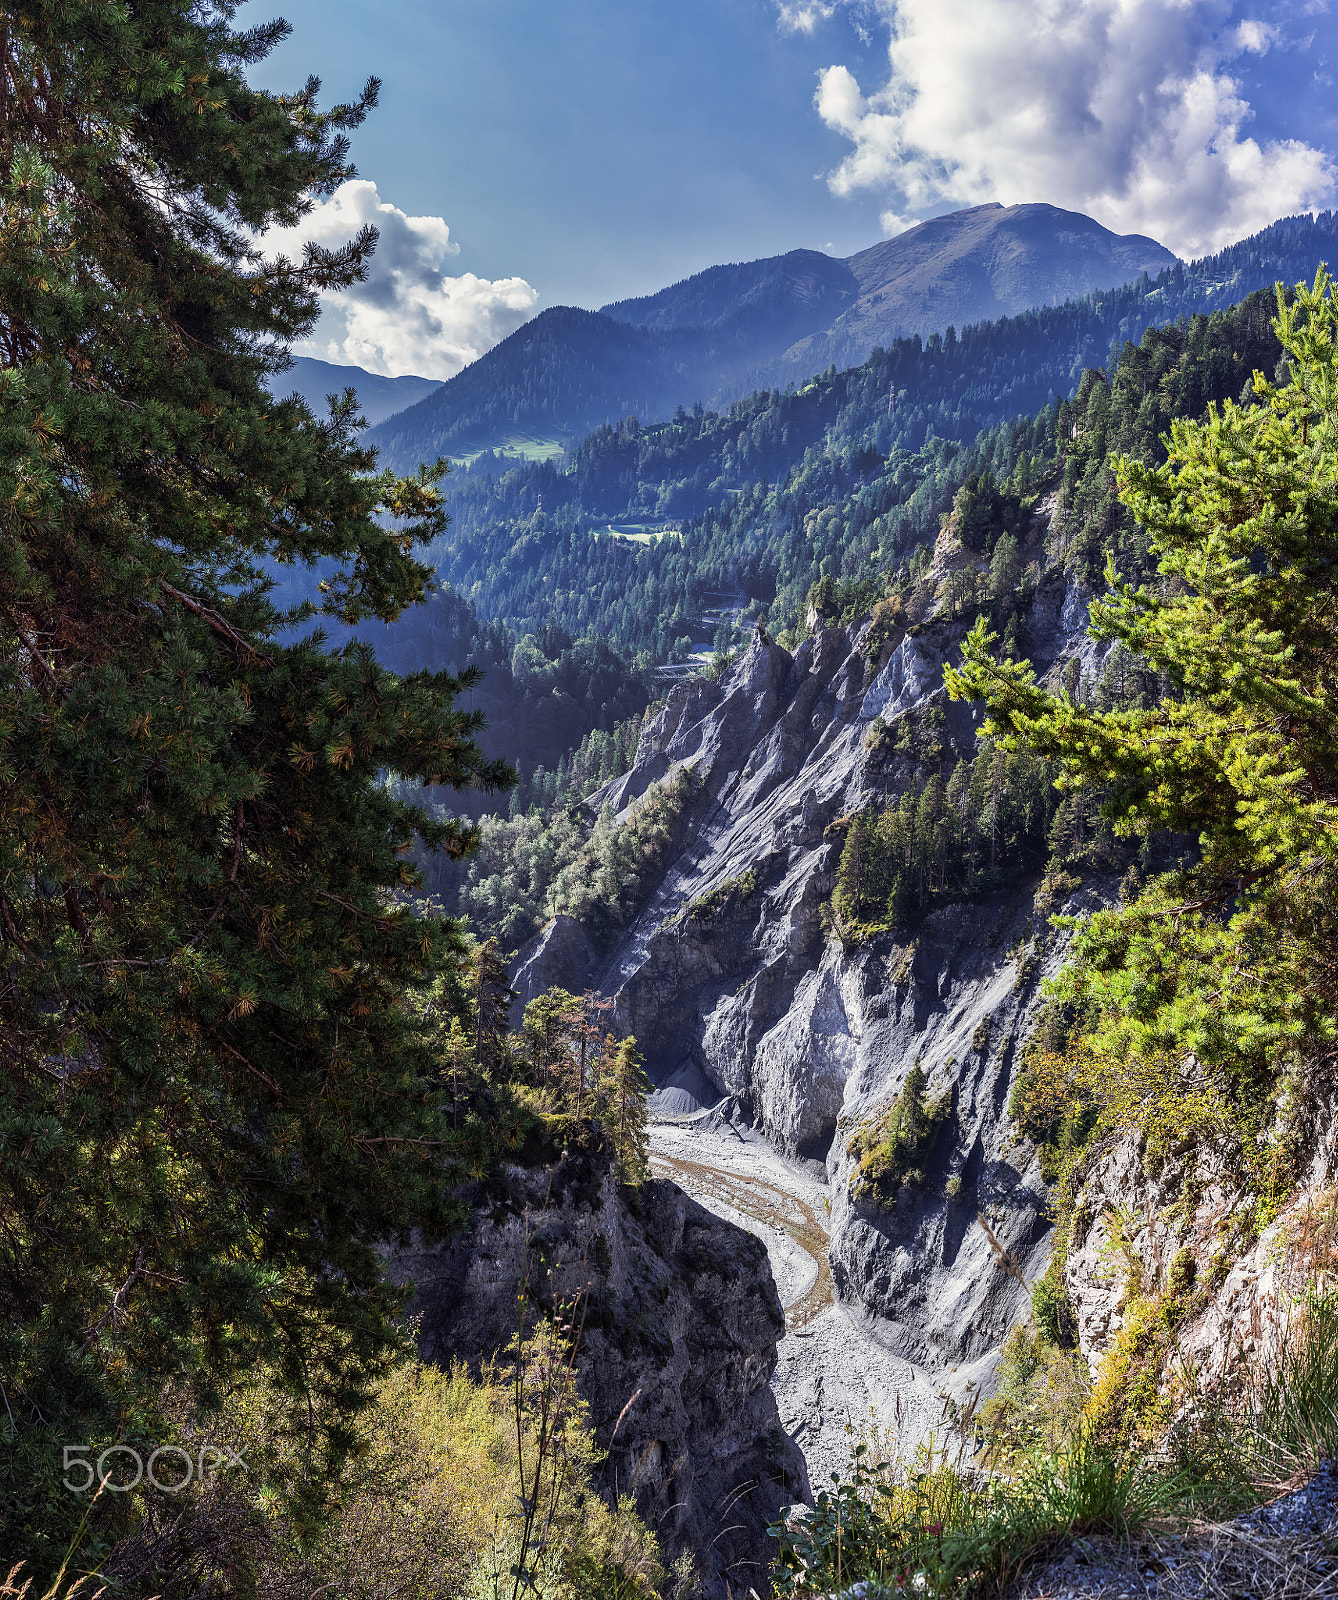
{"x": 986, "y": 262}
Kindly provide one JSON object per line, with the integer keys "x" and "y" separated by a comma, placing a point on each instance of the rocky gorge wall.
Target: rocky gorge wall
{"x": 743, "y": 999}
{"x": 1183, "y": 1224}
{"x": 678, "y": 1319}
{"x": 738, "y": 993}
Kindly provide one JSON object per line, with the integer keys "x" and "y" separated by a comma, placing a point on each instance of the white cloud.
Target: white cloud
{"x": 1122, "y": 109}
{"x": 1255, "y": 37}
{"x": 408, "y": 315}
{"x": 802, "y": 16}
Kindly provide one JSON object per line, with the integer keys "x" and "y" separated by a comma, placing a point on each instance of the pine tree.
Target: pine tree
{"x": 927, "y": 815}
{"x": 848, "y": 894}
{"x": 552, "y": 1024}
{"x": 1228, "y": 960}
{"x": 627, "y": 1116}
{"x": 216, "y": 1102}
{"x": 491, "y": 997}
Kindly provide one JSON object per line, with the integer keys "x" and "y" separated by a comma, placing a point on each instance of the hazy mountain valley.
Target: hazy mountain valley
{"x": 771, "y": 1002}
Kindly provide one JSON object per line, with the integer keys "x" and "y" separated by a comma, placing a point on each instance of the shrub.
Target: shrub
{"x": 889, "y": 619}
{"x": 429, "y": 1505}
{"x": 707, "y": 906}
{"x": 1039, "y": 1402}
{"x": 934, "y": 1528}
{"x": 1051, "y": 1308}
{"x": 891, "y": 1150}
{"x": 1182, "y": 1272}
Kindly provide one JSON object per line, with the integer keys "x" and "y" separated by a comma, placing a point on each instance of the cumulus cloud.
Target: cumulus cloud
{"x": 802, "y": 16}
{"x": 408, "y": 315}
{"x": 1123, "y": 109}
{"x": 1255, "y": 37}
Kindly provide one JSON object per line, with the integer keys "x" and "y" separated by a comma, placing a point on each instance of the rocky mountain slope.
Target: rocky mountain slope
{"x": 736, "y": 990}
{"x": 745, "y": 999}
{"x": 970, "y": 266}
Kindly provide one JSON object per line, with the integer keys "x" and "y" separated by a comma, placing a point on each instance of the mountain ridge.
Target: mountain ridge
{"x": 569, "y": 371}
{"x": 978, "y": 265}
{"x": 379, "y": 397}
{"x": 972, "y": 265}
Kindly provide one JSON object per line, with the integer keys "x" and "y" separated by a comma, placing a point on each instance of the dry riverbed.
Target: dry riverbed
{"x": 835, "y": 1381}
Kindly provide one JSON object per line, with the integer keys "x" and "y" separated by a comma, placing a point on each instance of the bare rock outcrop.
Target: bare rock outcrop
{"x": 1185, "y": 1222}
{"x": 560, "y": 956}
{"x": 676, "y": 1307}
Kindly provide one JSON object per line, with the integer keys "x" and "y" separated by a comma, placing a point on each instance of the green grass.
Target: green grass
{"x": 943, "y": 1529}
{"x": 633, "y": 532}
{"x": 1294, "y": 1421}
{"x": 520, "y": 446}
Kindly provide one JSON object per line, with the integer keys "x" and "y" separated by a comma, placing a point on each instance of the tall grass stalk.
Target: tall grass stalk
{"x": 1293, "y": 1414}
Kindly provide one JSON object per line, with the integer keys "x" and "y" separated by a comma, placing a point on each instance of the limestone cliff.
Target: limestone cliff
{"x": 737, "y": 991}
{"x": 1185, "y": 1226}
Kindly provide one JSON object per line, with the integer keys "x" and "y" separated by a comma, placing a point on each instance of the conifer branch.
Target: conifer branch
{"x": 216, "y": 621}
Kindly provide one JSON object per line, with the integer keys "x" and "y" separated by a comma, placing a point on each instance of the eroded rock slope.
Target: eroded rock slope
{"x": 737, "y": 991}
{"x": 678, "y": 1315}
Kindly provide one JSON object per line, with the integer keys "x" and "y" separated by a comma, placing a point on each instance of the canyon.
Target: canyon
{"x": 770, "y": 1041}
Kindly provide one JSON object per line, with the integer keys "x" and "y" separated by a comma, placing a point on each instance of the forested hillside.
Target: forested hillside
{"x": 837, "y": 480}
{"x": 542, "y": 692}
{"x": 569, "y": 371}
{"x": 848, "y": 533}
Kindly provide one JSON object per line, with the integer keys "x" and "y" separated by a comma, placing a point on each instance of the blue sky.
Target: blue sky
{"x": 529, "y": 153}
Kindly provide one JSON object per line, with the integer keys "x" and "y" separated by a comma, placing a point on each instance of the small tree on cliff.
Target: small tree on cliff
{"x": 215, "y": 1103}
{"x": 625, "y": 1091}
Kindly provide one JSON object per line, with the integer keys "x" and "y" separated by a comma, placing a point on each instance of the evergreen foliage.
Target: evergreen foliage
{"x": 537, "y": 865}
{"x": 559, "y": 708}
{"x": 1213, "y": 990}
{"x": 760, "y": 503}
{"x": 218, "y": 1098}
{"x": 891, "y": 1150}
{"x": 569, "y": 371}
{"x": 706, "y": 907}
{"x": 584, "y": 1072}
{"x": 939, "y": 842}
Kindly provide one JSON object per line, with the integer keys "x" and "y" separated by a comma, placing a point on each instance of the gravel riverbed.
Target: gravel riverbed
{"x": 836, "y": 1379}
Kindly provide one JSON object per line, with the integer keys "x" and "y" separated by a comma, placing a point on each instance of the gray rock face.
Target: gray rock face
{"x": 559, "y": 956}
{"x": 679, "y": 1309}
{"x": 956, "y": 1000}
{"x": 747, "y": 997}
{"x": 1134, "y": 1218}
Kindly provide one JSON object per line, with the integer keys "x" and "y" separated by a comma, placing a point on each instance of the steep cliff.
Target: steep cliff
{"x": 738, "y": 991}
{"x": 1183, "y": 1233}
{"x": 678, "y": 1318}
